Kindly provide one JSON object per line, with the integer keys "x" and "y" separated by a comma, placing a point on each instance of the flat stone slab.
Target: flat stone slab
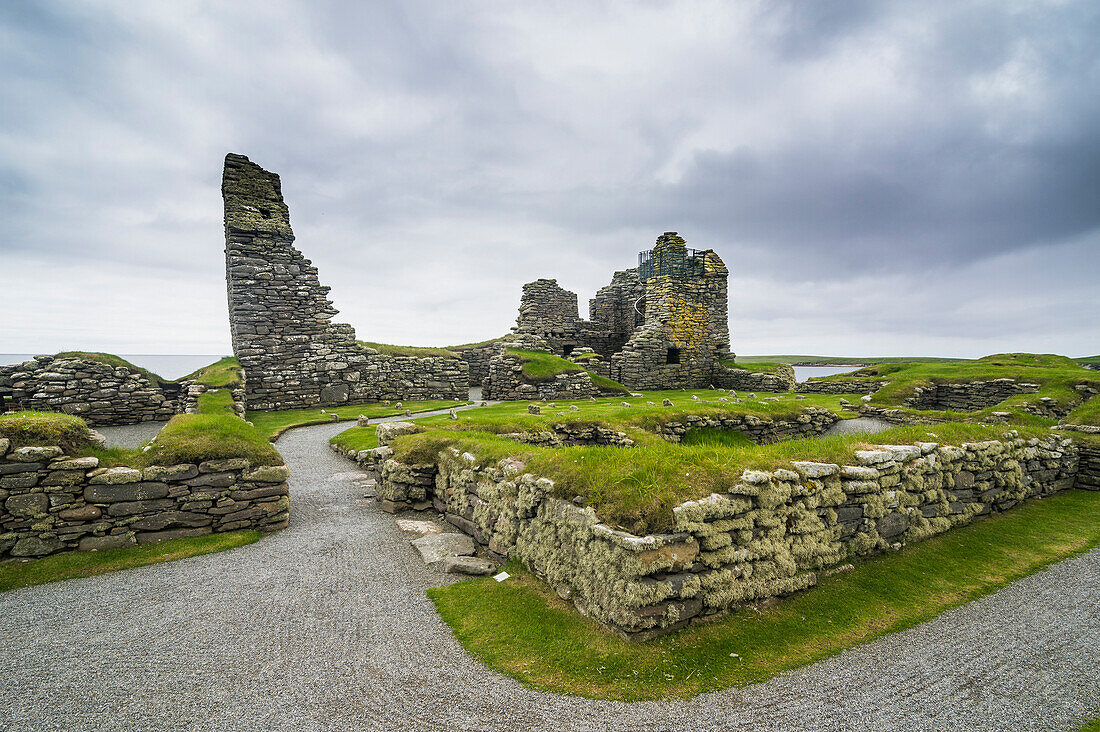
{"x": 468, "y": 565}
{"x": 434, "y": 548}
{"x": 419, "y": 527}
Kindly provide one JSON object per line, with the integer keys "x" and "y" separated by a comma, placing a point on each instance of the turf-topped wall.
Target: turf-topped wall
{"x": 50, "y": 502}
{"x": 100, "y": 393}
{"x": 280, "y": 316}
{"x": 769, "y": 534}
{"x": 846, "y": 386}
{"x": 506, "y": 381}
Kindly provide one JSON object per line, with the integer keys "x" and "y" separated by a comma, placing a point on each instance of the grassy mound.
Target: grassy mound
{"x": 606, "y": 385}
{"x": 758, "y": 367}
{"x": 225, "y": 373}
{"x": 273, "y": 424}
{"x": 540, "y": 367}
{"x": 45, "y": 428}
{"x": 193, "y": 438}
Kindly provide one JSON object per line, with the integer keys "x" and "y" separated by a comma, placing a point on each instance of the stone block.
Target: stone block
{"x": 114, "y": 476}
{"x": 84, "y": 463}
{"x": 27, "y": 505}
{"x": 125, "y": 492}
{"x": 268, "y": 474}
{"x": 36, "y": 546}
{"x": 96, "y": 543}
{"x": 34, "y": 454}
{"x": 168, "y": 519}
{"x": 130, "y": 508}
{"x": 221, "y": 466}
{"x": 82, "y": 513}
{"x": 150, "y": 537}
{"x": 170, "y": 472}
{"x": 434, "y": 548}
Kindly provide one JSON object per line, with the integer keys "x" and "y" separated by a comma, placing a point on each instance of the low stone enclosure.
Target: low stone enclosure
{"x": 279, "y": 316}
{"x": 50, "y": 502}
{"x": 99, "y": 393}
{"x": 770, "y": 534}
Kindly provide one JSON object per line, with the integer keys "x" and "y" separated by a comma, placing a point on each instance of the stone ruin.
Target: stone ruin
{"x": 279, "y": 316}
{"x": 661, "y": 325}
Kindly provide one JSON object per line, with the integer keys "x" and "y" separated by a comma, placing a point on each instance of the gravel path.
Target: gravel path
{"x": 130, "y": 435}
{"x": 325, "y": 626}
{"x": 858, "y": 426}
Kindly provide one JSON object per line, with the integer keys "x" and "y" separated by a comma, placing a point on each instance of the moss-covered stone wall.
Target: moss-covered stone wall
{"x": 99, "y": 393}
{"x": 769, "y": 534}
{"x": 50, "y": 502}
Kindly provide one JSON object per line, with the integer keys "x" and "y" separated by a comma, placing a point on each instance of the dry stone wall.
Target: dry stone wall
{"x": 1088, "y": 470}
{"x": 845, "y": 386}
{"x": 477, "y": 361}
{"x": 970, "y": 397}
{"x": 813, "y": 421}
{"x": 770, "y": 534}
{"x": 280, "y": 315}
{"x": 99, "y": 393}
{"x": 782, "y": 379}
{"x": 50, "y": 502}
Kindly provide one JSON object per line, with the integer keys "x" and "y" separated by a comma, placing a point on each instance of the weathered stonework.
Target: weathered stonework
{"x": 662, "y": 325}
{"x": 505, "y": 380}
{"x": 99, "y": 393}
{"x": 279, "y": 316}
{"x": 812, "y": 422}
{"x": 770, "y": 534}
{"x": 52, "y": 503}
{"x": 845, "y": 386}
{"x": 725, "y": 377}
{"x": 968, "y": 397}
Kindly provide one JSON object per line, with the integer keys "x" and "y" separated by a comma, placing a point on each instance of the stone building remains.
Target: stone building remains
{"x": 661, "y": 325}
{"x": 280, "y": 316}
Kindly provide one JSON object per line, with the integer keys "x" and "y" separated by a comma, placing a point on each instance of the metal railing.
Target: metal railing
{"x": 677, "y": 263}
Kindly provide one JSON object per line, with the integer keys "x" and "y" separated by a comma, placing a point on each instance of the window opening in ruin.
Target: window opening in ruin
{"x": 566, "y": 350}
{"x": 673, "y": 355}
{"x": 265, "y": 212}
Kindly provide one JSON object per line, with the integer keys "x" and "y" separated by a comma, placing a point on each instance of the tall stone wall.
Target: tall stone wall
{"x": 280, "y": 315}
{"x": 781, "y": 379}
{"x": 52, "y": 503}
{"x": 99, "y": 393}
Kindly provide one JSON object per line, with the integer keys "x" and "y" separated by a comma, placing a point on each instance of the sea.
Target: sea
{"x": 166, "y": 365}
{"x": 801, "y": 373}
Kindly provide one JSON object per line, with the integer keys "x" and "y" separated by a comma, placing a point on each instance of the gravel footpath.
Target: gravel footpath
{"x": 130, "y": 435}
{"x": 858, "y": 426}
{"x": 325, "y": 626}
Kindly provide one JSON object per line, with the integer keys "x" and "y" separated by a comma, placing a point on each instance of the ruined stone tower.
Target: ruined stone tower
{"x": 662, "y": 325}
{"x": 279, "y": 315}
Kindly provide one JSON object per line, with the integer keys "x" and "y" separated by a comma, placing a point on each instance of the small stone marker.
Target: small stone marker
{"x": 467, "y": 565}
{"x": 397, "y": 406}
{"x": 362, "y": 421}
{"x": 423, "y": 528}
{"x": 574, "y": 408}
{"x": 591, "y": 398}
{"x": 501, "y": 577}
{"x": 694, "y": 398}
{"x": 453, "y": 414}
{"x": 635, "y": 394}
{"x": 408, "y": 413}
{"x": 752, "y": 395}
{"x": 666, "y": 403}
{"x": 434, "y": 548}
{"x": 534, "y": 409}
{"x": 624, "y": 404}
{"x": 733, "y": 393}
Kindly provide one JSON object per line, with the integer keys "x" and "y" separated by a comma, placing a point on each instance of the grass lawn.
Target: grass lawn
{"x": 522, "y": 629}
{"x": 756, "y": 367}
{"x": 85, "y": 564}
{"x": 273, "y": 424}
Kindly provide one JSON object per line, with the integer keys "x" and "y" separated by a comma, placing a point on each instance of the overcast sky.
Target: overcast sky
{"x": 880, "y": 177}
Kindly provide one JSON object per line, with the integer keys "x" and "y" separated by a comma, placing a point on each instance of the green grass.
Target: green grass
{"x": 522, "y": 629}
{"x": 1056, "y": 376}
{"x": 1090, "y": 725}
{"x": 85, "y": 564}
{"x": 416, "y": 351}
{"x": 1087, "y": 413}
{"x": 606, "y": 385}
{"x": 216, "y": 401}
{"x": 110, "y": 359}
{"x": 637, "y": 488}
{"x": 541, "y": 367}
{"x": 273, "y": 424}
{"x": 225, "y": 373}
{"x": 357, "y": 438}
{"x": 193, "y": 438}
{"x": 45, "y": 428}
